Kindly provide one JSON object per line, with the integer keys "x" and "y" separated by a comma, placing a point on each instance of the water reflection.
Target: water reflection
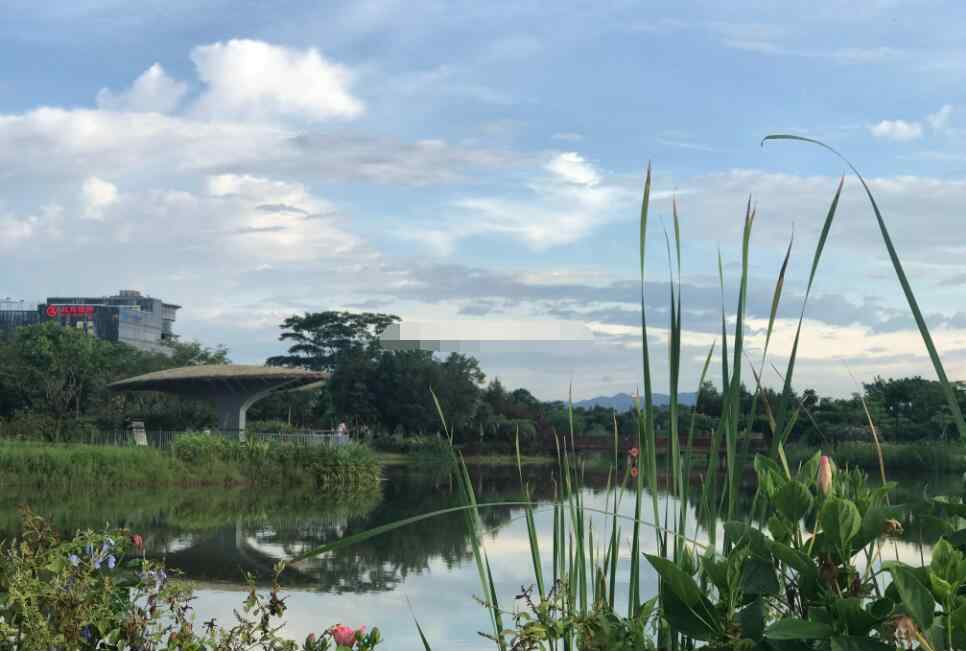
{"x": 216, "y": 536}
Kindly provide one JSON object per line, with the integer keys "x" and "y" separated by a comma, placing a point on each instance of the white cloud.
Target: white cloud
{"x": 563, "y": 203}
{"x": 59, "y": 145}
{"x": 97, "y": 195}
{"x": 898, "y": 130}
{"x": 940, "y": 119}
{"x": 256, "y": 79}
{"x": 153, "y": 92}
{"x": 14, "y": 230}
{"x": 903, "y": 131}
{"x": 572, "y": 168}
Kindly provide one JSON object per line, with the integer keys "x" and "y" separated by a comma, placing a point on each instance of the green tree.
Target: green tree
{"x": 318, "y": 339}
{"x": 59, "y": 368}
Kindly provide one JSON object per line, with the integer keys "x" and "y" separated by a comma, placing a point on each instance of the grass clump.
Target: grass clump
{"x": 286, "y": 463}
{"x": 195, "y": 459}
{"x": 920, "y": 456}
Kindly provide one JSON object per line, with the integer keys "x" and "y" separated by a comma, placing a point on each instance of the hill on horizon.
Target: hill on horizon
{"x": 621, "y": 402}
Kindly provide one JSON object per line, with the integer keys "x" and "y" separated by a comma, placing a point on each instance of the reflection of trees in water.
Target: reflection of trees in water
{"x": 218, "y": 535}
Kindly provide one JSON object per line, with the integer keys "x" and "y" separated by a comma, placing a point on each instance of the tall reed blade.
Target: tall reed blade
{"x": 947, "y": 386}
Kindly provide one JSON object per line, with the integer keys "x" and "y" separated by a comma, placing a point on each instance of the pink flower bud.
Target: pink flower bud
{"x": 343, "y": 635}
{"x": 824, "y": 475}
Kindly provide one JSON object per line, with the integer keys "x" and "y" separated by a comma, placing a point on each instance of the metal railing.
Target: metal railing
{"x": 164, "y": 439}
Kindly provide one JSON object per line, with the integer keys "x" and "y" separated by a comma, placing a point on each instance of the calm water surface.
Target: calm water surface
{"x": 216, "y": 536}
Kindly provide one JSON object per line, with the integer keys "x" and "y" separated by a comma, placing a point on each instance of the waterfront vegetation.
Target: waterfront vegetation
{"x": 193, "y": 460}
{"x": 806, "y": 569}
{"x": 806, "y": 566}
{"x": 930, "y": 457}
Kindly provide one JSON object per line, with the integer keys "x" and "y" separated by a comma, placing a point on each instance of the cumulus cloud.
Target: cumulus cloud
{"x": 898, "y": 130}
{"x": 153, "y": 92}
{"x": 940, "y": 119}
{"x": 97, "y": 195}
{"x": 257, "y": 79}
{"x": 561, "y": 204}
{"x": 903, "y": 131}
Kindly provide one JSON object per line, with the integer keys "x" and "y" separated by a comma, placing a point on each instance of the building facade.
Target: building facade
{"x": 128, "y": 317}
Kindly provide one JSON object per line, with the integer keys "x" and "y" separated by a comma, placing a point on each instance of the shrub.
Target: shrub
{"x": 98, "y": 591}
{"x": 322, "y": 465}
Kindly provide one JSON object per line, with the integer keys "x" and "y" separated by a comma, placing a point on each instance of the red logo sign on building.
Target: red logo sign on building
{"x": 69, "y": 310}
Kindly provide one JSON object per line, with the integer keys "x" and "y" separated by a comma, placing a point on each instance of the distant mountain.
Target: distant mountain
{"x": 622, "y": 402}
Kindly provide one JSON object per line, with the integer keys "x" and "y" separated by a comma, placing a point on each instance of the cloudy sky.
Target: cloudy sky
{"x": 476, "y": 169}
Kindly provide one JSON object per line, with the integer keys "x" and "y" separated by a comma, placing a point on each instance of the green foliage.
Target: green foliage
{"x": 321, "y": 465}
{"x": 53, "y": 385}
{"x": 320, "y": 339}
{"x": 921, "y": 456}
{"x": 96, "y": 591}
{"x": 195, "y": 459}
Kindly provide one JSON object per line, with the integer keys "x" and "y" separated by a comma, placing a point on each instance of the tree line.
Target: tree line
{"x": 53, "y": 384}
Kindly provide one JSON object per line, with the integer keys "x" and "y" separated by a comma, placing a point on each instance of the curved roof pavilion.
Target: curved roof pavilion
{"x": 233, "y": 387}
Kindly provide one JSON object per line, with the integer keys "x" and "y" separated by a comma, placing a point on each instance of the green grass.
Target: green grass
{"x": 920, "y": 456}
{"x": 195, "y": 460}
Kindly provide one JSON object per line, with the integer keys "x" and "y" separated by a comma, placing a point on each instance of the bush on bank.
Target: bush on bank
{"x": 194, "y": 459}
{"x": 98, "y": 591}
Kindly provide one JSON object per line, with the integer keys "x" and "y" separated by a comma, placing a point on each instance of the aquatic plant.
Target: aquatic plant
{"x": 814, "y": 577}
{"x": 96, "y": 590}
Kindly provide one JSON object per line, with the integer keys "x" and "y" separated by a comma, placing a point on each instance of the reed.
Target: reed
{"x": 576, "y": 600}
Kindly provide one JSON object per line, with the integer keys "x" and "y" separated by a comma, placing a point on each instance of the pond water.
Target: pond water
{"x": 215, "y": 536}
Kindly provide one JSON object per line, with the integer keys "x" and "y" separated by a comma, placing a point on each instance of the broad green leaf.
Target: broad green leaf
{"x": 795, "y": 559}
{"x": 758, "y": 578}
{"x": 779, "y": 529}
{"x": 946, "y": 562}
{"x": 793, "y": 501}
{"x": 940, "y": 587}
{"x": 856, "y": 619}
{"x": 809, "y": 470}
{"x": 770, "y": 475}
{"x": 859, "y": 643}
{"x": 841, "y": 520}
{"x": 751, "y": 618}
{"x": 716, "y": 570}
{"x": 742, "y": 532}
{"x": 916, "y": 598}
{"x": 874, "y": 522}
{"x": 950, "y": 507}
{"x": 678, "y": 580}
{"x": 685, "y": 620}
{"x": 798, "y": 629}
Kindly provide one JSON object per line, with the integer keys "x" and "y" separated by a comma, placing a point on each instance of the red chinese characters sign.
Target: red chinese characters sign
{"x": 69, "y": 310}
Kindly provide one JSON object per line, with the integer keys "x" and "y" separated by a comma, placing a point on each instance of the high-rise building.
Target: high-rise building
{"x": 128, "y": 317}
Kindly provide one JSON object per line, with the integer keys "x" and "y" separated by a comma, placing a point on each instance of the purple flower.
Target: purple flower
{"x": 111, "y": 562}
{"x": 74, "y": 559}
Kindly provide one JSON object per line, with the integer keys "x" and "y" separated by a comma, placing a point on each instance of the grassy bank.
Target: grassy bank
{"x": 898, "y": 457}
{"x": 194, "y": 460}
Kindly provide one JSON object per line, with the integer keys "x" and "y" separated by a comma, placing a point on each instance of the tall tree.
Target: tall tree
{"x": 319, "y": 339}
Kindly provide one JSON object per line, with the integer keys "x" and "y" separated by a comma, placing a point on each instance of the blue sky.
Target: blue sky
{"x": 475, "y": 168}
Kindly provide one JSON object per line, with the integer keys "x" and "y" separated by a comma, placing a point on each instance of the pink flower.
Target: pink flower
{"x": 343, "y": 635}
{"x": 138, "y": 542}
{"x": 824, "y": 480}
{"x": 634, "y": 452}
{"x": 634, "y": 472}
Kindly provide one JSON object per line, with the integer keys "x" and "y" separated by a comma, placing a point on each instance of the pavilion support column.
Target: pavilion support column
{"x": 232, "y": 406}
{"x": 230, "y": 409}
